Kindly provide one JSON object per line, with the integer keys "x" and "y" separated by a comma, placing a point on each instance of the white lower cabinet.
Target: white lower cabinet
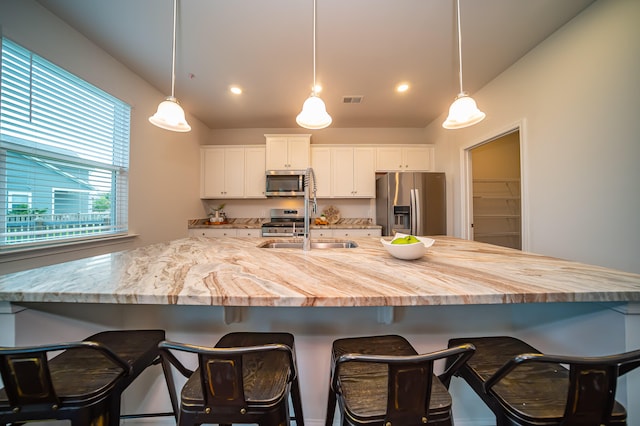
{"x": 321, "y": 233}
{"x": 344, "y": 233}
{"x": 355, "y": 233}
{"x": 248, "y": 232}
{"x": 225, "y": 232}
{"x": 221, "y": 232}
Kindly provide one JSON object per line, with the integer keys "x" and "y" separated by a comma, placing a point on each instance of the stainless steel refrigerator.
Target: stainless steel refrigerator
{"x": 411, "y": 203}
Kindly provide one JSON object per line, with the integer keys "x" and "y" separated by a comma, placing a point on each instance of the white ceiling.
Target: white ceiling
{"x": 364, "y": 47}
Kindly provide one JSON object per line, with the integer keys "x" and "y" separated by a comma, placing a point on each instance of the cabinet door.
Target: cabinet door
{"x": 322, "y": 233}
{"x": 254, "y": 176}
{"x": 342, "y": 165}
{"x": 248, "y": 232}
{"x": 234, "y": 172}
{"x": 212, "y": 172}
{"x": 321, "y": 163}
{"x": 404, "y": 158}
{"x": 220, "y": 232}
{"x": 298, "y": 151}
{"x": 364, "y": 172}
{"x": 277, "y": 156}
{"x": 355, "y": 233}
{"x": 417, "y": 159}
{"x": 389, "y": 159}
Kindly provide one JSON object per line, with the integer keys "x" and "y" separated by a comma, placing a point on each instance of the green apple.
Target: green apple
{"x": 411, "y": 239}
{"x": 400, "y": 241}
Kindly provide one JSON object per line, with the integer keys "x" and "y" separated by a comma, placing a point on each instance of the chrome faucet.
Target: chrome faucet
{"x": 309, "y": 175}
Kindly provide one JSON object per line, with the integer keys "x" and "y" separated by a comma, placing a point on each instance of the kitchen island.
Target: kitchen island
{"x": 200, "y": 288}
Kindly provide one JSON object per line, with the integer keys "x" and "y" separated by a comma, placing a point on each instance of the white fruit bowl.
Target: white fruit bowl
{"x": 407, "y": 251}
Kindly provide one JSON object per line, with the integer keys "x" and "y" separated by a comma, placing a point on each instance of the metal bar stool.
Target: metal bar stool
{"x": 82, "y": 384}
{"x": 382, "y": 380}
{"x": 522, "y": 386}
{"x": 245, "y": 378}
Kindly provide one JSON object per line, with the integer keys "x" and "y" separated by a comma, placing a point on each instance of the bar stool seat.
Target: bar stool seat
{"x": 382, "y": 380}
{"x": 246, "y": 378}
{"x": 82, "y": 384}
{"x": 523, "y": 386}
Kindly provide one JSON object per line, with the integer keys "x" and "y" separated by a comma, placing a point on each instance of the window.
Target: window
{"x": 64, "y": 154}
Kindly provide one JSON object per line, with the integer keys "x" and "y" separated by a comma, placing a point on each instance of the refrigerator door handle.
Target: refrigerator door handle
{"x": 418, "y": 212}
{"x": 413, "y": 206}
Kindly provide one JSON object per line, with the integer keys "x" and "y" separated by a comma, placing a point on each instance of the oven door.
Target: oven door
{"x": 277, "y": 231}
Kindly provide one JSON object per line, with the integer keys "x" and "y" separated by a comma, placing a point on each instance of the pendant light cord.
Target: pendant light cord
{"x": 173, "y": 57}
{"x": 459, "y": 46}
{"x": 314, "y": 48}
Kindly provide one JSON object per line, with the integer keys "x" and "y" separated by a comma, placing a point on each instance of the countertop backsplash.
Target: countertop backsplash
{"x": 261, "y": 208}
{"x": 255, "y": 223}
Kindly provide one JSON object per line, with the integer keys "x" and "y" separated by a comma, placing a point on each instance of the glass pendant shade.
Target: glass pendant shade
{"x": 170, "y": 116}
{"x": 463, "y": 112}
{"x": 314, "y": 114}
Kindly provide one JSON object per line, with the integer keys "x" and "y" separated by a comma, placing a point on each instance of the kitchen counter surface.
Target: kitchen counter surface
{"x": 235, "y": 272}
{"x": 256, "y": 223}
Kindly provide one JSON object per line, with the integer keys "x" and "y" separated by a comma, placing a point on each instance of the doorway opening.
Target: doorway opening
{"x": 496, "y": 208}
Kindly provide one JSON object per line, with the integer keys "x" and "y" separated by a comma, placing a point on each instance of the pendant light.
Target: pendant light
{"x": 314, "y": 113}
{"x": 170, "y": 115}
{"x": 463, "y": 112}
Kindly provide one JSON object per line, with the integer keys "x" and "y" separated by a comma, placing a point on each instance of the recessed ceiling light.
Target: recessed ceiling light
{"x": 402, "y": 87}
{"x": 235, "y": 90}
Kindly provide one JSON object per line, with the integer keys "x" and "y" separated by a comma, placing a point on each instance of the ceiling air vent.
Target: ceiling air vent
{"x": 351, "y": 99}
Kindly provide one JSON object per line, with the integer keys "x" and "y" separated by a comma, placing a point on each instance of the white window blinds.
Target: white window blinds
{"x": 64, "y": 146}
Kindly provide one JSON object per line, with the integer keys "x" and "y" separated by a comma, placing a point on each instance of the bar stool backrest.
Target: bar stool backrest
{"x": 27, "y": 380}
{"x": 221, "y": 372}
{"x": 26, "y": 376}
{"x": 410, "y": 380}
{"x": 592, "y": 385}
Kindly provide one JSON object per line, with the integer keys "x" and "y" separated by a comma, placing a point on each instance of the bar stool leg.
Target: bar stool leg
{"x": 297, "y": 402}
{"x": 331, "y": 407}
{"x": 168, "y": 377}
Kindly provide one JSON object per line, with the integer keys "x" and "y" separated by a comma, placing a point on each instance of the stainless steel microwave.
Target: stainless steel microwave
{"x": 285, "y": 183}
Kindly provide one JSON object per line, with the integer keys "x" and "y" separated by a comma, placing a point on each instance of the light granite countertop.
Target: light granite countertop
{"x": 256, "y": 223}
{"x": 235, "y": 272}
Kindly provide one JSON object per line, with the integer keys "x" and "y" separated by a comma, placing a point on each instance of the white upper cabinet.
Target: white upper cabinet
{"x": 354, "y": 172}
{"x": 350, "y": 171}
{"x": 404, "y": 158}
{"x": 286, "y": 152}
{"x": 232, "y": 172}
{"x": 222, "y": 172}
{"x": 321, "y": 164}
{"x": 254, "y": 172}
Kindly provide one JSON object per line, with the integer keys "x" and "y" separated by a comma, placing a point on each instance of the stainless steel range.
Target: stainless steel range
{"x": 284, "y": 223}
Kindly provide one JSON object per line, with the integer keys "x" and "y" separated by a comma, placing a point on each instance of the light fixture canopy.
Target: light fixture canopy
{"x": 314, "y": 113}
{"x": 170, "y": 115}
{"x": 464, "y": 111}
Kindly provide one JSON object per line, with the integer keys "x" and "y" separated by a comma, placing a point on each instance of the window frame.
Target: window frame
{"x": 115, "y": 169}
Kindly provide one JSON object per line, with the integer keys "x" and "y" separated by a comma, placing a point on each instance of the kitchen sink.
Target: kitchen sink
{"x": 314, "y": 244}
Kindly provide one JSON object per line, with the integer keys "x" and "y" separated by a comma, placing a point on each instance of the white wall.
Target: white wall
{"x": 577, "y": 95}
{"x": 330, "y": 135}
{"x": 163, "y": 184}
